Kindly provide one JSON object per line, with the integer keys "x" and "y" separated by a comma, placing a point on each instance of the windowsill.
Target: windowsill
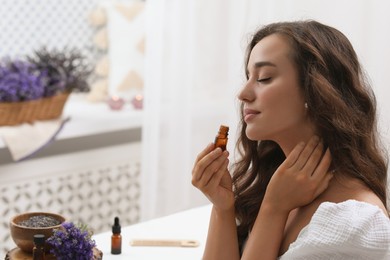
{"x": 88, "y": 118}
{"x": 91, "y": 125}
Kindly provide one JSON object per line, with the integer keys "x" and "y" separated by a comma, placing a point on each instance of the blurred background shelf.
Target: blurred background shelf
{"x": 90, "y": 126}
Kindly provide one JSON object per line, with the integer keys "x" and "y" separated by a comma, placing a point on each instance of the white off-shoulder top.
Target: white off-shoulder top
{"x": 347, "y": 230}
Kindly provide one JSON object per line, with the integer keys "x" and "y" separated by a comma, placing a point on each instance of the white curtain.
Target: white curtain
{"x": 194, "y": 69}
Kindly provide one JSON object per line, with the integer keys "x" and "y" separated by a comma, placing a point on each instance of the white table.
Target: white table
{"x": 190, "y": 224}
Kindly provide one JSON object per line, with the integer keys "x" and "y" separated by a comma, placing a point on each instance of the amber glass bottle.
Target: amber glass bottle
{"x": 222, "y": 137}
{"x": 39, "y": 247}
{"x": 116, "y": 238}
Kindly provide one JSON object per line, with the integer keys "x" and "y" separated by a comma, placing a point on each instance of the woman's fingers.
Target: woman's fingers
{"x": 302, "y": 153}
{"x": 293, "y": 156}
{"x": 323, "y": 166}
{"x": 314, "y": 159}
{"x": 212, "y": 169}
{"x": 205, "y": 151}
{"x": 216, "y": 178}
{"x": 324, "y": 184}
{"x": 321, "y": 175}
{"x": 307, "y": 153}
{"x": 207, "y": 164}
{"x": 207, "y": 156}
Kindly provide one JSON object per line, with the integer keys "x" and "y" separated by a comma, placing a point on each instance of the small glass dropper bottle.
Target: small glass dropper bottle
{"x": 116, "y": 238}
{"x": 39, "y": 247}
{"x": 222, "y": 137}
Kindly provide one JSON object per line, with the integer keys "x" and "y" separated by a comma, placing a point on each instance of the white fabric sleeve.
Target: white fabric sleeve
{"x": 347, "y": 230}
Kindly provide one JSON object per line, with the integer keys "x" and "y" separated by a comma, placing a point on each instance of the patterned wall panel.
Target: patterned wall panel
{"x": 28, "y": 25}
{"x": 93, "y": 197}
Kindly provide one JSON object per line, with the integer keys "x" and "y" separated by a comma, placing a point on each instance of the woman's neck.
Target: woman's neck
{"x": 290, "y": 140}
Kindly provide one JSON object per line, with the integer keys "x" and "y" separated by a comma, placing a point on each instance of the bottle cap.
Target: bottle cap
{"x": 39, "y": 239}
{"x": 223, "y": 129}
{"x": 116, "y": 228}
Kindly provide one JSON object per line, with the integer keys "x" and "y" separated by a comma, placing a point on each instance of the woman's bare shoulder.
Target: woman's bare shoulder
{"x": 371, "y": 198}
{"x": 346, "y": 188}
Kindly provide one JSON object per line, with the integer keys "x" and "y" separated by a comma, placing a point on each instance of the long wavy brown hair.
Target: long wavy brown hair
{"x": 341, "y": 105}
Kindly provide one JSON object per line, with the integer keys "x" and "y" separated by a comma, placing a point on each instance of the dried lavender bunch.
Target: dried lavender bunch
{"x": 52, "y": 72}
{"x": 66, "y": 70}
{"x": 72, "y": 242}
{"x": 20, "y": 81}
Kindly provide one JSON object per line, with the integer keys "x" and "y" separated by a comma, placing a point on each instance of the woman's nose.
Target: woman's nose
{"x": 246, "y": 93}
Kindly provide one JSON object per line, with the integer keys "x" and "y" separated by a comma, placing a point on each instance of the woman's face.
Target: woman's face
{"x": 274, "y": 107}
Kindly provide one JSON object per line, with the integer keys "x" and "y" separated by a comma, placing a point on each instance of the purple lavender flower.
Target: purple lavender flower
{"x": 20, "y": 81}
{"x": 71, "y": 242}
{"x": 44, "y": 74}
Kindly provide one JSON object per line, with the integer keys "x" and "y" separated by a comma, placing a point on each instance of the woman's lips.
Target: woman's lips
{"x": 250, "y": 114}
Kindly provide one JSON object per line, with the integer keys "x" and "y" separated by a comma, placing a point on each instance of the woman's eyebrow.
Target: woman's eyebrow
{"x": 260, "y": 64}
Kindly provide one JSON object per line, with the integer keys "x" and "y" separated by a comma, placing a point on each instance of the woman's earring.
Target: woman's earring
{"x": 306, "y": 106}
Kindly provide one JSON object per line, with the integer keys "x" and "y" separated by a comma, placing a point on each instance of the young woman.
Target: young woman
{"x": 311, "y": 179}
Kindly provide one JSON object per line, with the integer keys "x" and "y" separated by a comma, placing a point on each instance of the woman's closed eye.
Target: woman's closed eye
{"x": 264, "y": 80}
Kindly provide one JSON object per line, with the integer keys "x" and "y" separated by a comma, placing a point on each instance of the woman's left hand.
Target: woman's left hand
{"x": 301, "y": 178}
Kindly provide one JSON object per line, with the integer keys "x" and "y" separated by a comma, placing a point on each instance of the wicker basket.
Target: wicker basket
{"x": 14, "y": 113}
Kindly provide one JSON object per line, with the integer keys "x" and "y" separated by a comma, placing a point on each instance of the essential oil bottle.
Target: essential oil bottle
{"x": 39, "y": 247}
{"x": 222, "y": 137}
{"x": 116, "y": 238}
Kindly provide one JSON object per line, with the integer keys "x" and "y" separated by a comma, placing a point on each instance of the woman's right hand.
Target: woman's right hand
{"x": 211, "y": 176}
